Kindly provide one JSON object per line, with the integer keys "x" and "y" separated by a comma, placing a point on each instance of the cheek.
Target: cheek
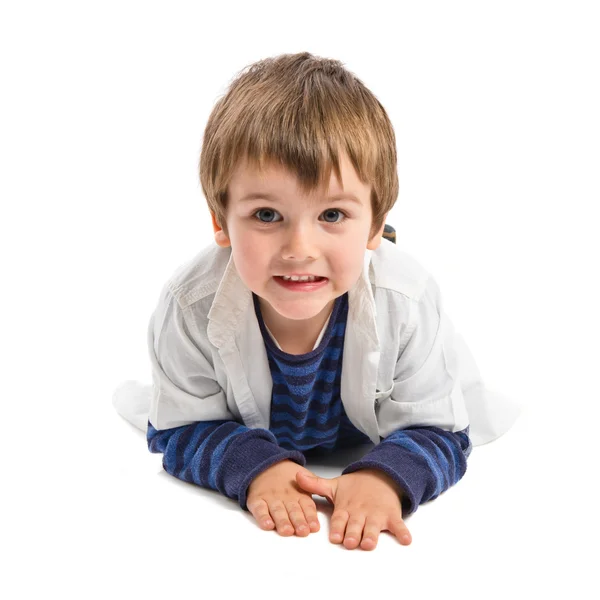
{"x": 351, "y": 251}
{"x": 348, "y": 263}
{"x": 249, "y": 257}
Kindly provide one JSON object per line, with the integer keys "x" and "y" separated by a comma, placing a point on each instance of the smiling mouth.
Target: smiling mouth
{"x": 313, "y": 279}
{"x": 301, "y": 286}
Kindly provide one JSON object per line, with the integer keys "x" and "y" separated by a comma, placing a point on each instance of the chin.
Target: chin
{"x": 301, "y": 314}
{"x": 299, "y": 310}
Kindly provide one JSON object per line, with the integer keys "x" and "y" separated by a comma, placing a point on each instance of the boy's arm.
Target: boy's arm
{"x": 221, "y": 455}
{"x": 190, "y": 422}
{"x": 423, "y": 461}
{"x": 423, "y": 422}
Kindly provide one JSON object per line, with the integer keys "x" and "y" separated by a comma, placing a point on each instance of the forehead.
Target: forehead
{"x": 274, "y": 179}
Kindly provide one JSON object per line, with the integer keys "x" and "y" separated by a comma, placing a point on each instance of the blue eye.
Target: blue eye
{"x": 270, "y": 213}
{"x": 333, "y": 210}
{"x": 267, "y": 210}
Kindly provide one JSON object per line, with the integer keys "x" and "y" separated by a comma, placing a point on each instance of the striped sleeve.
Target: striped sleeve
{"x": 220, "y": 455}
{"x": 423, "y": 461}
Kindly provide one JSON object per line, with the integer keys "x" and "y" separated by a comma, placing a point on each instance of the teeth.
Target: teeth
{"x": 296, "y": 278}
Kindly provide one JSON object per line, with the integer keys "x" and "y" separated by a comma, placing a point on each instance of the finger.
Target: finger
{"x": 260, "y": 511}
{"x": 315, "y": 485}
{"x": 354, "y": 531}
{"x": 400, "y": 530}
{"x": 297, "y": 518}
{"x": 338, "y": 526}
{"x": 310, "y": 513}
{"x": 373, "y": 528}
{"x": 281, "y": 518}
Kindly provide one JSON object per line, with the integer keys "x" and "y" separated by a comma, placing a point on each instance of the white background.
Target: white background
{"x": 103, "y": 106}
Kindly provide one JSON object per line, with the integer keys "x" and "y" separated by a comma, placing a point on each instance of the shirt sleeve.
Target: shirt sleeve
{"x": 423, "y": 420}
{"x": 185, "y": 389}
{"x": 189, "y": 421}
{"x": 427, "y": 389}
{"x": 423, "y": 461}
{"x": 221, "y": 455}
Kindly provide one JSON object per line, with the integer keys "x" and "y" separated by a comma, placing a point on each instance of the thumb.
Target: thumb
{"x": 315, "y": 485}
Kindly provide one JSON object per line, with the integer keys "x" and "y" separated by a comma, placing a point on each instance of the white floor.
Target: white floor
{"x": 103, "y": 519}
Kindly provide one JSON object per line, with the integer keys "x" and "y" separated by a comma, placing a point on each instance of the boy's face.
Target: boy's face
{"x": 284, "y": 232}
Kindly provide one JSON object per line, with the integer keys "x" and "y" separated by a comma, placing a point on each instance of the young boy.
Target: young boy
{"x": 300, "y": 330}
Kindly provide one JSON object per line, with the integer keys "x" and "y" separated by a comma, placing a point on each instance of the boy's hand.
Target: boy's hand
{"x": 366, "y": 502}
{"x": 276, "y": 500}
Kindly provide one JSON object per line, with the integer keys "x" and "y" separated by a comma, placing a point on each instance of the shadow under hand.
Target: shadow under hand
{"x": 337, "y": 459}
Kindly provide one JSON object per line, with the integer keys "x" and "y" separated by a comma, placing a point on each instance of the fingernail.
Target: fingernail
{"x": 336, "y": 537}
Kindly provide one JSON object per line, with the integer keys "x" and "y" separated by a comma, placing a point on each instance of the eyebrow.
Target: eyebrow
{"x": 273, "y": 198}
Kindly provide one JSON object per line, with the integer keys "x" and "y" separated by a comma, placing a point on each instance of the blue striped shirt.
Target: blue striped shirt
{"x": 307, "y": 415}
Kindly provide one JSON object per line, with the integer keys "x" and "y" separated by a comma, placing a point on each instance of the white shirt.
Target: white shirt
{"x": 403, "y": 364}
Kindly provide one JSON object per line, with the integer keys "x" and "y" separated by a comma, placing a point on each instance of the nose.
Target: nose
{"x": 299, "y": 244}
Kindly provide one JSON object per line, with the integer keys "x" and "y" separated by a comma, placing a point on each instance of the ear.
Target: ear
{"x": 376, "y": 239}
{"x": 220, "y": 238}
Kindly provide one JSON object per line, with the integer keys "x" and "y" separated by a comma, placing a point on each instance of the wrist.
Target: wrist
{"x": 381, "y": 475}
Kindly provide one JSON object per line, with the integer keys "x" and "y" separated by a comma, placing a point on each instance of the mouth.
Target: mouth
{"x": 301, "y": 286}
{"x": 303, "y": 278}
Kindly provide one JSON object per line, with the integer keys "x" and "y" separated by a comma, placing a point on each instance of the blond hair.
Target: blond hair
{"x": 299, "y": 111}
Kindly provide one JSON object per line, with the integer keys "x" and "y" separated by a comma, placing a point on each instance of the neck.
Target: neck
{"x": 289, "y": 332}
